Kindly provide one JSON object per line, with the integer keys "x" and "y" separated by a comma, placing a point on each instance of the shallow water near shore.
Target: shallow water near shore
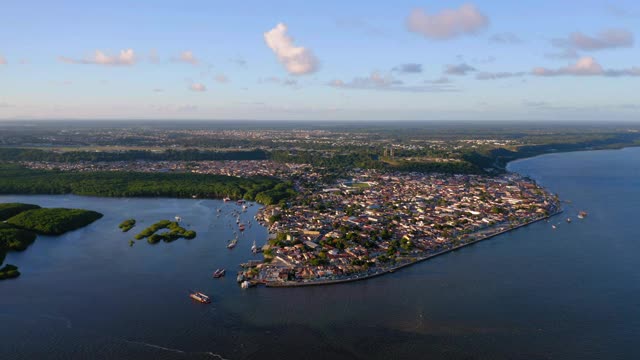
{"x": 533, "y": 293}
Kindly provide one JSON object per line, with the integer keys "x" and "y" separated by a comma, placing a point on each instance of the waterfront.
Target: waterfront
{"x": 531, "y": 293}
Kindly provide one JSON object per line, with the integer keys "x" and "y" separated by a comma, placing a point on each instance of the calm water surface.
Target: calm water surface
{"x": 535, "y": 293}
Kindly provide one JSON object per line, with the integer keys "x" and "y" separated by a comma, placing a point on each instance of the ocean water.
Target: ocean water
{"x": 535, "y": 293}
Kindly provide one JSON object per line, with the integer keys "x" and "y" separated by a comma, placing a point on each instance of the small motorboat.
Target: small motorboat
{"x": 232, "y": 244}
{"x": 199, "y": 297}
{"x": 219, "y": 273}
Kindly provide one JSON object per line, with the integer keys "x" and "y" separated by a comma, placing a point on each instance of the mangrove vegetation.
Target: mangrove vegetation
{"x": 173, "y": 232}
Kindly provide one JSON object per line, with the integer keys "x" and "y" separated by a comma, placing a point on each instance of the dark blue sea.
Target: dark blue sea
{"x": 536, "y": 293}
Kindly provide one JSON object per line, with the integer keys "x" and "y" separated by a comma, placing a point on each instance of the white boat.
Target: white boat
{"x": 232, "y": 244}
{"x": 178, "y": 218}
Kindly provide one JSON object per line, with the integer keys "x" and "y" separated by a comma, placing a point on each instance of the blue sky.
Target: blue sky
{"x": 327, "y": 60}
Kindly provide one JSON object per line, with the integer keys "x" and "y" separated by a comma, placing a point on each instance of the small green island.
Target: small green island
{"x": 23, "y": 222}
{"x": 127, "y": 225}
{"x": 175, "y": 232}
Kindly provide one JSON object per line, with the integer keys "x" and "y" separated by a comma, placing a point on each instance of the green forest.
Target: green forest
{"x": 175, "y": 232}
{"x": 54, "y": 221}
{"x": 19, "y": 231}
{"x": 20, "y": 180}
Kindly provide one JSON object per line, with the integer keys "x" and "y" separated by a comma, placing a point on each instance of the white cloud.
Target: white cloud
{"x": 221, "y": 78}
{"x": 199, "y": 87}
{"x": 440, "y": 80}
{"x": 379, "y": 81}
{"x": 498, "y": 75}
{"x": 586, "y": 66}
{"x": 607, "y": 39}
{"x": 505, "y": 38}
{"x": 459, "y": 69}
{"x": 153, "y": 56}
{"x": 448, "y": 23}
{"x": 188, "y": 57}
{"x": 297, "y": 60}
{"x": 409, "y": 68}
{"x": 124, "y": 58}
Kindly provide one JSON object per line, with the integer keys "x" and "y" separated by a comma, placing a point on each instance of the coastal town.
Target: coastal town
{"x": 366, "y": 224}
{"x": 374, "y": 223}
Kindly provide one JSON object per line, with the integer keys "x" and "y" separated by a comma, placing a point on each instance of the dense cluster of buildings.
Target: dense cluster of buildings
{"x": 243, "y": 168}
{"x": 375, "y": 222}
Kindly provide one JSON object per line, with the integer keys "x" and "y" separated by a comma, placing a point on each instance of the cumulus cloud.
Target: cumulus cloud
{"x": 505, "y": 38}
{"x": 498, "y": 75}
{"x": 379, "y": 81}
{"x": 187, "y": 57}
{"x": 410, "y": 68}
{"x": 124, "y": 58}
{"x": 586, "y": 66}
{"x": 297, "y": 60}
{"x": 607, "y": 39}
{"x": 447, "y": 24}
{"x": 199, "y": 87}
{"x": 459, "y": 69}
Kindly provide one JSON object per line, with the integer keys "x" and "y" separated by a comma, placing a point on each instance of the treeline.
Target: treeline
{"x": 20, "y": 154}
{"x": 54, "y": 221}
{"x": 498, "y": 158}
{"x": 20, "y": 180}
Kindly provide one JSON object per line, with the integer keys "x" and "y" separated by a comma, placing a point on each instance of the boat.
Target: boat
{"x": 553, "y": 226}
{"x": 232, "y": 244}
{"x": 568, "y": 220}
{"x": 254, "y": 248}
{"x": 246, "y": 284}
{"x": 240, "y": 277}
{"x": 200, "y": 297}
{"x": 219, "y": 273}
{"x": 582, "y": 214}
{"x": 226, "y": 199}
{"x": 241, "y": 227}
{"x": 178, "y": 218}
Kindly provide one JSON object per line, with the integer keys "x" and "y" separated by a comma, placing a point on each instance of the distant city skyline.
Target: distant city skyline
{"x": 314, "y": 61}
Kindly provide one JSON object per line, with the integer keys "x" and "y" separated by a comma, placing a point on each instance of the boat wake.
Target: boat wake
{"x": 209, "y": 353}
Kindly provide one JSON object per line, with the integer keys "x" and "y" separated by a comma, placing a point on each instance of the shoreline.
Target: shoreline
{"x": 274, "y": 284}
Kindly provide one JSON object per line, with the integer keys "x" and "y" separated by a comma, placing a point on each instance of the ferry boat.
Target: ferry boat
{"x": 200, "y": 297}
{"x": 232, "y": 244}
{"x": 582, "y": 214}
{"x": 219, "y": 273}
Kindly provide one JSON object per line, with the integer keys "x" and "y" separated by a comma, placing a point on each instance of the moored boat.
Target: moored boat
{"x": 200, "y": 297}
{"x": 582, "y": 214}
{"x": 232, "y": 244}
{"x": 219, "y": 273}
{"x": 241, "y": 227}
